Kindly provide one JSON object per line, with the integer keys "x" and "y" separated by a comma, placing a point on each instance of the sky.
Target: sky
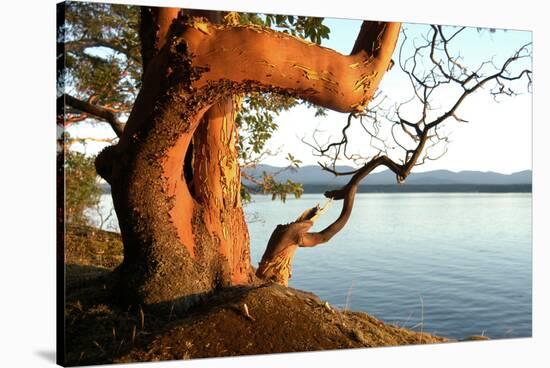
{"x": 497, "y": 138}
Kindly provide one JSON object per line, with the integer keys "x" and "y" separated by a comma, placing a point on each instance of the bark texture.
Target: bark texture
{"x": 181, "y": 218}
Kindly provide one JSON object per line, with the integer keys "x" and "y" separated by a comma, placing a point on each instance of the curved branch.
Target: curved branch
{"x": 320, "y": 75}
{"x": 97, "y": 111}
{"x": 255, "y": 58}
{"x": 275, "y": 263}
{"x": 347, "y": 193}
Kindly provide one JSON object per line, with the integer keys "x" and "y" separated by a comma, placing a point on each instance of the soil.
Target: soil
{"x": 238, "y": 321}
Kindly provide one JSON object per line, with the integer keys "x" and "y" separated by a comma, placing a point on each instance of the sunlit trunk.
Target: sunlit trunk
{"x": 179, "y": 211}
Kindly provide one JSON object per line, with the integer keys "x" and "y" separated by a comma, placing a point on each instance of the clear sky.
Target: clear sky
{"x": 497, "y": 137}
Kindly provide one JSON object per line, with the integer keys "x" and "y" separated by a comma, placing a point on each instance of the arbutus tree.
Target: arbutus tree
{"x": 185, "y": 235}
{"x": 181, "y": 219}
{"x": 100, "y": 70}
{"x": 100, "y": 65}
{"x": 175, "y": 172}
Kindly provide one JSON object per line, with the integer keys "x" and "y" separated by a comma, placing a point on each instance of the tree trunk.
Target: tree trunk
{"x": 179, "y": 211}
{"x": 217, "y": 183}
{"x": 184, "y": 235}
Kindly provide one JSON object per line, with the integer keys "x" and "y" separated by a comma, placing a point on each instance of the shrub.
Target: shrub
{"x": 82, "y": 190}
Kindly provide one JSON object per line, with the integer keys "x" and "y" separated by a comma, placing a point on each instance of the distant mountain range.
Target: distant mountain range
{"x": 313, "y": 175}
{"x": 315, "y": 180}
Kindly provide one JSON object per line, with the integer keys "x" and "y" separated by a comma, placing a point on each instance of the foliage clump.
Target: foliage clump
{"x": 82, "y": 189}
{"x": 103, "y": 67}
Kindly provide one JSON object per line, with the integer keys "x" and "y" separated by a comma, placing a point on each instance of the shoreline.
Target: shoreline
{"x": 409, "y": 188}
{"x": 276, "y": 319}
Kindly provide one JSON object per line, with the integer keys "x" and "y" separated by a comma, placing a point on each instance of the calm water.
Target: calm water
{"x": 453, "y": 264}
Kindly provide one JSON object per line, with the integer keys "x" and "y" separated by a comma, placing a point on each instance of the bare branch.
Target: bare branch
{"x": 83, "y": 44}
{"x": 98, "y": 111}
{"x": 418, "y": 139}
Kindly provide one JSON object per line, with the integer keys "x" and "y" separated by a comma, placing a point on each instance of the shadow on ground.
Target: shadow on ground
{"x": 235, "y": 321}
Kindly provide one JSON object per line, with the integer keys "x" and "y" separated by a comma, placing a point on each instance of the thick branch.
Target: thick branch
{"x": 155, "y": 26}
{"x": 371, "y": 39}
{"x": 319, "y": 75}
{"x": 97, "y": 111}
{"x": 260, "y": 59}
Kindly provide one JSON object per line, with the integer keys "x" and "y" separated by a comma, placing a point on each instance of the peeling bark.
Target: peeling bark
{"x": 275, "y": 264}
{"x": 184, "y": 239}
{"x": 217, "y": 182}
{"x": 325, "y": 77}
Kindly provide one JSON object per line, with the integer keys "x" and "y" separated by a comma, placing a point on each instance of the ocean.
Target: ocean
{"x": 453, "y": 264}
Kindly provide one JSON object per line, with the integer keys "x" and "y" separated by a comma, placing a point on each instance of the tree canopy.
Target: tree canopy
{"x": 103, "y": 68}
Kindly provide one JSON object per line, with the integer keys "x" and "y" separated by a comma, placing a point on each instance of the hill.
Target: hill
{"x": 315, "y": 180}
{"x": 312, "y": 174}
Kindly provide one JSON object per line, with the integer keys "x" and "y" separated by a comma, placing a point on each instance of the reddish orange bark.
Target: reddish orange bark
{"x": 165, "y": 17}
{"x": 217, "y": 182}
{"x": 185, "y": 237}
{"x": 323, "y": 76}
{"x": 181, "y": 213}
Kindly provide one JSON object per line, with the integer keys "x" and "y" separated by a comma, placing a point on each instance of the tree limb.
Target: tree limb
{"x": 347, "y": 193}
{"x": 97, "y": 111}
{"x": 80, "y": 45}
{"x": 324, "y": 77}
{"x": 254, "y": 58}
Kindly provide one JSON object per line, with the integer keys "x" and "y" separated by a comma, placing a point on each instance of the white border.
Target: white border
{"x": 27, "y": 153}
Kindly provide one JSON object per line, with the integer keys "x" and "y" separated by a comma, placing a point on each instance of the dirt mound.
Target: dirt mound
{"x": 237, "y": 321}
{"x": 271, "y": 319}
